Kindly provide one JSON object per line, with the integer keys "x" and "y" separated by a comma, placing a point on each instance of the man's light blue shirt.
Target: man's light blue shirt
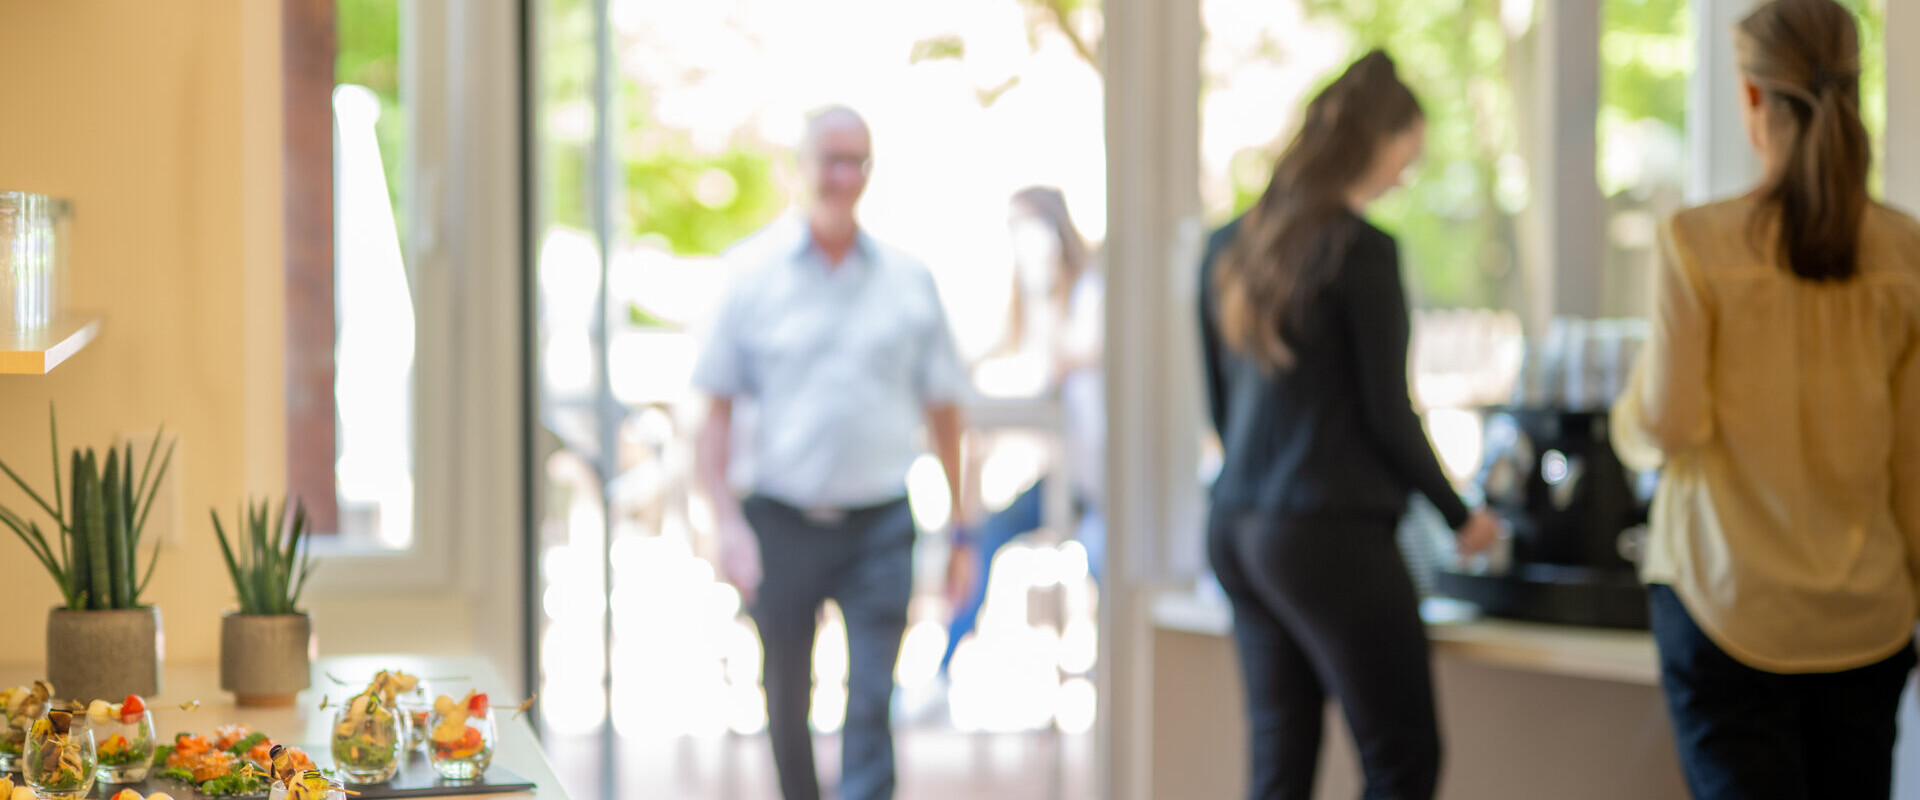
{"x": 840, "y": 362}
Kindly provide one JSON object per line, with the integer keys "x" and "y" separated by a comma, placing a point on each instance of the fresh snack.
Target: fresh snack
{"x": 59, "y": 759}
{"x": 390, "y": 684}
{"x": 366, "y": 738}
{"x": 127, "y": 794}
{"x": 194, "y": 759}
{"x": 226, "y": 736}
{"x": 23, "y": 705}
{"x": 126, "y": 754}
{"x": 462, "y": 739}
{"x": 306, "y": 784}
{"x": 242, "y": 781}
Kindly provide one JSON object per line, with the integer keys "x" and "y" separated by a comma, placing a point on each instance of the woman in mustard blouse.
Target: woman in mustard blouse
{"x": 1780, "y": 397}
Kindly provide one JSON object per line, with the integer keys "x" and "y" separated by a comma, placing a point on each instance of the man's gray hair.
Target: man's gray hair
{"x": 829, "y": 117}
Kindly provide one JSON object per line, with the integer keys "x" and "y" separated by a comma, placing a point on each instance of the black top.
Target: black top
{"x": 1337, "y": 432}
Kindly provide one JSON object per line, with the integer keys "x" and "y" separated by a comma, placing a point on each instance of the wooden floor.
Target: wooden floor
{"x": 935, "y": 763}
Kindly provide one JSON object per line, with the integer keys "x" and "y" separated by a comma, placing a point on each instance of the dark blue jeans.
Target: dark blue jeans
{"x": 864, "y": 563}
{"x": 1748, "y": 734}
{"x": 1001, "y": 527}
{"x": 1323, "y": 607}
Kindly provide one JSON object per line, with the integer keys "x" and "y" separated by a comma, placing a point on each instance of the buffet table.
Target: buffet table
{"x": 1527, "y": 711}
{"x": 306, "y": 726}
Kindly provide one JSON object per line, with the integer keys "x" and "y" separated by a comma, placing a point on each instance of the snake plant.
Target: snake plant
{"x": 100, "y": 525}
{"x": 269, "y": 567}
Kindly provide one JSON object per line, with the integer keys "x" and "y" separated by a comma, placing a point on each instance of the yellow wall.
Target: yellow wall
{"x": 161, "y": 122}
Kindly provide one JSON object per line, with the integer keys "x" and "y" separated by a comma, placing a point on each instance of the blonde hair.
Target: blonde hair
{"x": 1804, "y": 56}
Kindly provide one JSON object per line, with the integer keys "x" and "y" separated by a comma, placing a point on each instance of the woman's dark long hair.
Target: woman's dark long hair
{"x": 1050, "y": 206}
{"x": 1804, "y": 56}
{"x": 1297, "y": 233}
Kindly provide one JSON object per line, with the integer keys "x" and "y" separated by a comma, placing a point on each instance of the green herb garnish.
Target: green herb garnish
{"x": 238, "y": 782}
{"x": 181, "y": 774}
{"x": 161, "y": 754}
{"x": 134, "y": 754}
{"x": 241, "y": 747}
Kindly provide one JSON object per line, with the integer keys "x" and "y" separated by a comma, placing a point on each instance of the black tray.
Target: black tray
{"x": 416, "y": 778}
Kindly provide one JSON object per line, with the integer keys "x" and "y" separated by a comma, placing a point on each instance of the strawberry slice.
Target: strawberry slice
{"x": 477, "y": 705}
{"x": 131, "y": 709}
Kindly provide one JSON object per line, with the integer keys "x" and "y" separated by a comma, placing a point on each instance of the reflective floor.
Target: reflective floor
{"x": 936, "y": 762}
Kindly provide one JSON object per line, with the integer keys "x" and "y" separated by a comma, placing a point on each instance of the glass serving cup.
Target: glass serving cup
{"x": 125, "y": 750}
{"x": 60, "y": 767}
{"x": 415, "y": 706}
{"x": 460, "y": 745}
{"x": 10, "y": 748}
{"x": 367, "y": 737}
{"x": 278, "y": 791}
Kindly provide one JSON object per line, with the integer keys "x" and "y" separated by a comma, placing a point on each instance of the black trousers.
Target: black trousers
{"x": 1749, "y": 734}
{"x": 864, "y": 563}
{"x": 1323, "y": 606}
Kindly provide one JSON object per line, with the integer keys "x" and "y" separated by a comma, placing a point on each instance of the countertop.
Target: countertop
{"x": 305, "y": 725}
{"x": 1620, "y": 656}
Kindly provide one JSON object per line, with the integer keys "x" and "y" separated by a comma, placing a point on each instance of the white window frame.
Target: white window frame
{"x": 459, "y": 68}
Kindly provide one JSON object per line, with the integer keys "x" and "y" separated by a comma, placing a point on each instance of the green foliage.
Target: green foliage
{"x": 1873, "y": 80}
{"x": 95, "y": 562}
{"x": 269, "y": 567}
{"x": 697, "y": 203}
{"x": 1455, "y": 222}
{"x": 946, "y": 46}
{"x": 565, "y": 113}
{"x": 368, "y": 36}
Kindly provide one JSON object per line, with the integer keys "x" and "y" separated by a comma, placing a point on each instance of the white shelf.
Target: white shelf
{"x": 37, "y": 352}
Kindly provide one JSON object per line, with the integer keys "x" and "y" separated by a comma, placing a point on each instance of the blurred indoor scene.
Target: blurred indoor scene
{"x": 499, "y": 233}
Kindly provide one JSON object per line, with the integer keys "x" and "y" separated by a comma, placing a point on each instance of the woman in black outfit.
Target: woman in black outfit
{"x": 1305, "y": 327}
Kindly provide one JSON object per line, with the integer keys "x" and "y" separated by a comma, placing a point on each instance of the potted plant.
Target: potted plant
{"x": 103, "y": 642}
{"x": 266, "y": 648}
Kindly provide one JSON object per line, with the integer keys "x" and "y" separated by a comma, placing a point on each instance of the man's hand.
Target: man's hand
{"x": 740, "y": 559}
{"x": 963, "y": 564}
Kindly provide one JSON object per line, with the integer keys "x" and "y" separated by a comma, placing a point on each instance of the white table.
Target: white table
{"x": 306, "y": 726}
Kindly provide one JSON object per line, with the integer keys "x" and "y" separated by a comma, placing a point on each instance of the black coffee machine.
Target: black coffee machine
{"x": 1578, "y": 519}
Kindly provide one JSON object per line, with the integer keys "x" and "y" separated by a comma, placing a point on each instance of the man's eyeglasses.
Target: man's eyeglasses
{"x": 831, "y": 161}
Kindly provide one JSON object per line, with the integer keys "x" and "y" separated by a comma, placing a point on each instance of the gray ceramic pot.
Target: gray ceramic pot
{"x": 104, "y": 655}
{"x": 266, "y": 659}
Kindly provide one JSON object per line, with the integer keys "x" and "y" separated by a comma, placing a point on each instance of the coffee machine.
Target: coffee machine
{"x": 1577, "y": 517}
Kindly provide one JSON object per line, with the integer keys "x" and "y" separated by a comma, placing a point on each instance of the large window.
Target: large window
{"x": 1457, "y": 218}
{"x": 1646, "y": 60}
{"x": 663, "y": 134}
{"x": 350, "y": 311}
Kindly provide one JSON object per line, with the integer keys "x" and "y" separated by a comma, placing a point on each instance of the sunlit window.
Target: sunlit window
{"x": 1456, "y": 221}
{"x": 373, "y": 302}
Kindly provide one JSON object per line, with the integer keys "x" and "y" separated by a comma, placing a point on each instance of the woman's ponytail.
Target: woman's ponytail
{"x": 1804, "y": 56}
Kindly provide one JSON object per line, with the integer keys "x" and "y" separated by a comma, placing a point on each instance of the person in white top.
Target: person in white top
{"x": 1057, "y": 321}
{"x": 841, "y": 345}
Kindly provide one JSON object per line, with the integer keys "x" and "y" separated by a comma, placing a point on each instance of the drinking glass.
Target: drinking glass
{"x": 367, "y": 737}
{"x": 60, "y": 766}
{"x": 461, "y": 743}
{"x": 126, "y": 754}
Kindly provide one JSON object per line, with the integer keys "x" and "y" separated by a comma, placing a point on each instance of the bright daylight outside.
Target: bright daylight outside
{"x": 970, "y": 102}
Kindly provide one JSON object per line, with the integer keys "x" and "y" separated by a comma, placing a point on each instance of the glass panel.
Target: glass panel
{"x": 569, "y": 464}
{"x": 1456, "y": 220}
{"x": 374, "y": 312}
{"x": 1873, "y": 81}
{"x": 709, "y": 100}
{"x": 1646, "y": 60}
